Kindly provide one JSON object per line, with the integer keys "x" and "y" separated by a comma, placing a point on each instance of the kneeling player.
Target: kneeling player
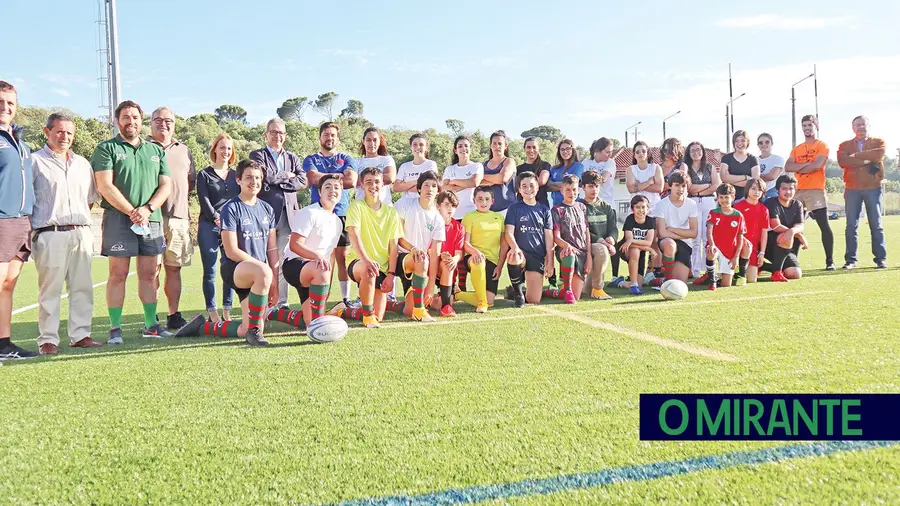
{"x": 756, "y": 217}
{"x": 374, "y": 229}
{"x": 315, "y": 232}
{"x": 725, "y": 229}
{"x": 484, "y": 246}
{"x": 573, "y": 240}
{"x": 451, "y": 252}
{"x": 676, "y": 227}
{"x": 639, "y": 236}
{"x": 420, "y": 246}
{"x": 529, "y": 233}
{"x": 248, "y": 238}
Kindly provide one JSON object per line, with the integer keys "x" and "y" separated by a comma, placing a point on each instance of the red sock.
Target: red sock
{"x": 668, "y": 265}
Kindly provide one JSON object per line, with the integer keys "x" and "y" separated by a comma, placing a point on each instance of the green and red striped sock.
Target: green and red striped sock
{"x": 287, "y": 316}
{"x": 668, "y": 265}
{"x": 257, "y": 308}
{"x": 353, "y": 313}
{"x": 318, "y": 295}
{"x": 221, "y": 329}
{"x": 566, "y": 271}
{"x": 418, "y": 290}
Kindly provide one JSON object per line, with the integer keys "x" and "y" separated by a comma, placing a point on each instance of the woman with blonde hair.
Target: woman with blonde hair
{"x": 216, "y": 185}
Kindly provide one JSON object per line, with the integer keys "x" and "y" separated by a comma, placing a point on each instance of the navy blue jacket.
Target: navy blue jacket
{"x": 280, "y": 195}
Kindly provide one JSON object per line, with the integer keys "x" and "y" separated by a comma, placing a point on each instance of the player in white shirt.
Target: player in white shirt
{"x": 770, "y": 165}
{"x": 420, "y": 246}
{"x": 373, "y": 149}
{"x": 409, "y": 172}
{"x": 676, "y": 227}
{"x": 315, "y": 231}
{"x": 463, "y": 176}
{"x": 601, "y": 161}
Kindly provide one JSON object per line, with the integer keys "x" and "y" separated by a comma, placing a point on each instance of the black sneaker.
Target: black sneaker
{"x": 255, "y": 338}
{"x": 881, "y": 264}
{"x": 849, "y": 265}
{"x": 552, "y": 281}
{"x": 13, "y": 352}
{"x": 192, "y": 329}
{"x": 510, "y": 293}
{"x": 519, "y": 296}
{"x": 175, "y": 321}
{"x": 830, "y": 266}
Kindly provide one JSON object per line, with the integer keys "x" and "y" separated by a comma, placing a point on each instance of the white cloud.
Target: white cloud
{"x": 782, "y": 22}
{"x": 70, "y": 79}
{"x": 61, "y": 92}
{"x": 361, "y": 56}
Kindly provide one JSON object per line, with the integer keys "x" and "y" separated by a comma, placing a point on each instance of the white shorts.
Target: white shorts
{"x": 724, "y": 266}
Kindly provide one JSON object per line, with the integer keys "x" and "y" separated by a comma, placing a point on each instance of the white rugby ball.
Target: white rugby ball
{"x": 674, "y": 289}
{"x": 327, "y": 329}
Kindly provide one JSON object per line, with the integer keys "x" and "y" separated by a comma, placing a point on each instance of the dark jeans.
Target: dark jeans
{"x": 854, "y": 200}
{"x": 208, "y": 237}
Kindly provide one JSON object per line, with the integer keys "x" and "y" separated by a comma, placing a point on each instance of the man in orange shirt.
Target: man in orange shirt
{"x": 808, "y": 161}
{"x": 862, "y": 159}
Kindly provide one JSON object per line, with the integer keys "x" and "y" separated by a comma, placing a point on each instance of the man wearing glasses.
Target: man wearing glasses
{"x": 175, "y": 212}
{"x": 284, "y": 178}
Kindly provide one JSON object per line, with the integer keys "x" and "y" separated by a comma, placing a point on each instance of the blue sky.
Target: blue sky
{"x": 587, "y": 68}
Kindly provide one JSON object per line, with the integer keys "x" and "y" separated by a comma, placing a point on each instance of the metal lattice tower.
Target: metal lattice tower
{"x": 108, "y": 83}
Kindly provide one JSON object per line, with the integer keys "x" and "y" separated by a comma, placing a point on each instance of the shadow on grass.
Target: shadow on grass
{"x": 843, "y": 272}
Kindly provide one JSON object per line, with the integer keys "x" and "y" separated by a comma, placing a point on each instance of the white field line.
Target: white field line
{"x": 642, "y": 336}
{"x": 670, "y": 304}
{"x": 64, "y": 296}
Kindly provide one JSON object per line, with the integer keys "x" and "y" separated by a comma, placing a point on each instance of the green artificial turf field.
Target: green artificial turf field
{"x": 508, "y": 399}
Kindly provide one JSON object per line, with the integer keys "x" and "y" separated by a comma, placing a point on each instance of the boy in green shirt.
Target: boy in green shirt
{"x": 602, "y": 225}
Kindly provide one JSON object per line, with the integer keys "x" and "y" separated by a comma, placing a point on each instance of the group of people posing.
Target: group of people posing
{"x": 414, "y": 256}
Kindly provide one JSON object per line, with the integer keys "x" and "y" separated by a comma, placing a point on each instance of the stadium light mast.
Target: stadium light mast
{"x": 794, "y": 108}
{"x": 115, "y": 85}
{"x": 664, "y": 123}
{"x": 635, "y": 132}
{"x": 729, "y": 120}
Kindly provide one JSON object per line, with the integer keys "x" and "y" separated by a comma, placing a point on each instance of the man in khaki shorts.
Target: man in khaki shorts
{"x": 808, "y": 162}
{"x": 62, "y": 241}
{"x": 176, "y": 215}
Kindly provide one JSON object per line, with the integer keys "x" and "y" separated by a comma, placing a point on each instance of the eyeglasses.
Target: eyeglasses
{"x": 277, "y": 133}
{"x": 564, "y": 149}
{"x": 160, "y": 121}
{"x": 760, "y": 143}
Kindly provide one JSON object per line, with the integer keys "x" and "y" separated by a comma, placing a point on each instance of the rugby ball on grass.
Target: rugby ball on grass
{"x": 327, "y": 329}
{"x": 674, "y": 289}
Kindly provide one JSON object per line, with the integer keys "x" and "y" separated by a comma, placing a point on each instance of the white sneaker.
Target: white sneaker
{"x": 648, "y": 278}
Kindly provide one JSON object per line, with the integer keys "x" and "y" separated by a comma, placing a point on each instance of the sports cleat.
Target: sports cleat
{"x": 254, "y": 337}
{"x": 337, "y": 310}
{"x": 635, "y": 290}
{"x": 569, "y": 297}
{"x": 358, "y": 302}
{"x": 156, "y": 331}
{"x": 421, "y": 315}
{"x": 13, "y": 352}
{"x": 115, "y": 336}
{"x": 370, "y": 322}
{"x": 447, "y": 311}
{"x": 175, "y": 322}
{"x": 481, "y": 308}
{"x": 849, "y": 265}
{"x": 881, "y": 264}
{"x": 599, "y": 294}
{"x": 738, "y": 281}
{"x": 192, "y": 328}
{"x": 702, "y": 280}
{"x": 779, "y": 277}
{"x": 830, "y": 266}
{"x": 713, "y": 287}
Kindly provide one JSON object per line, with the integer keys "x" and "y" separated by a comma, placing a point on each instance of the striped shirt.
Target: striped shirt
{"x": 66, "y": 189}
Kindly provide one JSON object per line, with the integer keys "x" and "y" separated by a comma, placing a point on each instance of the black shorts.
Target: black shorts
{"x": 291, "y": 269}
{"x": 534, "y": 263}
{"x": 683, "y": 252}
{"x": 489, "y": 267}
{"x": 790, "y": 259}
{"x": 228, "y": 280}
{"x": 642, "y": 257}
{"x": 120, "y": 241}
{"x": 378, "y": 281}
{"x": 344, "y": 239}
{"x": 580, "y": 260}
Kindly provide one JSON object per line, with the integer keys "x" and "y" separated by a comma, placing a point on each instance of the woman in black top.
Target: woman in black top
{"x": 541, "y": 169}
{"x": 216, "y": 185}
{"x": 739, "y": 166}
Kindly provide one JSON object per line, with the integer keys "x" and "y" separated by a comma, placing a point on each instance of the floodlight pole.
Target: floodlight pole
{"x": 635, "y": 133}
{"x": 664, "y": 123}
{"x": 114, "y": 80}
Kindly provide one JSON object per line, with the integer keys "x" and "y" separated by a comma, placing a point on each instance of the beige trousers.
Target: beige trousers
{"x": 600, "y": 260}
{"x": 64, "y": 257}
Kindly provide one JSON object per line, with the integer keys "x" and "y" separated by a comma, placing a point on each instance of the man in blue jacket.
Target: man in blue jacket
{"x": 16, "y": 203}
{"x": 283, "y": 179}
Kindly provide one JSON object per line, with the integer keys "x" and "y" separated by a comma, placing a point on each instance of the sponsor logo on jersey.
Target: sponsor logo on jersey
{"x": 246, "y": 221}
{"x": 121, "y": 156}
{"x": 154, "y": 159}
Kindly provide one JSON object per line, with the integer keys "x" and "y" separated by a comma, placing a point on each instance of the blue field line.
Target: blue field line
{"x": 643, "y": 472}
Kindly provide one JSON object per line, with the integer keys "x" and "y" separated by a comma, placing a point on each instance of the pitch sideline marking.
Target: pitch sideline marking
{"x": 628, "y": 307}
{"x": 64, "y": 296}
{"x": 635, "y": 473}
{"x": 699, "y": 351}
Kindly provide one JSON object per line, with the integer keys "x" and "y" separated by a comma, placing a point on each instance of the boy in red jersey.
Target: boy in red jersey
{"x": 451, "y": 251}
{"x": 756, "y": 218}
{"x": 725, "y": 238}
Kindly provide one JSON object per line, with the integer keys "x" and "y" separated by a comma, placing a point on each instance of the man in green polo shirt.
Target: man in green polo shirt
{"x": 133, "y": 178}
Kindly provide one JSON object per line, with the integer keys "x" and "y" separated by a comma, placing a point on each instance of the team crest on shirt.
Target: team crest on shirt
{"x": 154, "y": 159}
{"x": 121, "y": 156}
{"x": 246, "y": 221}
{"x": 339, "y": 162}
{"x": 734, "y": 223}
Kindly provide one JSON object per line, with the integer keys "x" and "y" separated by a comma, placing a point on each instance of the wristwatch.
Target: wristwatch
{"x": 151, "y": 207}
